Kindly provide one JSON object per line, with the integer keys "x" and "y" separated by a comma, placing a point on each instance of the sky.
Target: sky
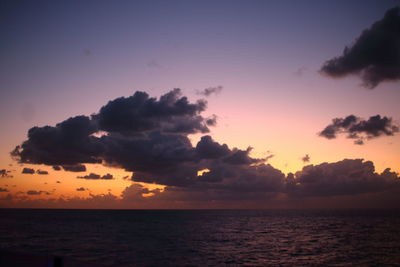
{"x": 199, "y": 104}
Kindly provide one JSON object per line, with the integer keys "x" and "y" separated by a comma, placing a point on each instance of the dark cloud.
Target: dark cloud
{"x": 207, "y": 148}
{"x": 58, "y": 182}
{"x": 158, "y": 155}
{"x": 74, "y": 168}
{"x": 211, "y": 121}
{"x": 349, "y": 177}
{"x": 346, "y": 177}
{"x": 41, "y": 172}
{"x": 68, "y": 143}
{"x": 5, "y": 173}
{"x": 210, "y": 90}
{"x": 28, "y": 171}
{"x": 80, "y": 189}
{"x": 344, "y": 184}
{"x": 359, "y": 129}
{"x": 375, "y": 55}
{"x": 135, "y": 192}
{"x": 306, "y": 158}
{"x": 3, "y": 190}
{"x": 94, "y": 176}
{"x": 140, "y": 113}
{"x": 241, "y": 157}
{"x": 149, "y": 138}
{"x": 36, "y": 193}
{"x": 140, "y": 134}
{"x": 56, "y": 168}
{"x": 107, "y": 177}
{"x": 90, "y": 176}
{"x": 171, "y": 160}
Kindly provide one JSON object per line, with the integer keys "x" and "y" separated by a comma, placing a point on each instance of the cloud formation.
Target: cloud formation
{"x": 42, "y": 172}
{"x": 36, "y": 193}
{"x": 5, "y": 173}
{"x": 145, "y": 136}
{"x": 68, "y": 143}
{"x": 94, "y": 176}
{"x": 2, "y": 190}
{"x": 343, "y": 184}
{"x": 315, "y": 186}
{"x": 360, "y": 129}
{"x": 149, "y": 137}
{"x": 306, "y": 158}
{"x": 81, "y": 189}
{"x": 140, "y": 113}
{"x": 28, "y": 171}
{"x": 56, "y": 168}
{"x": 74, "y": 168}
{"x": 346, "y": 177}
{"x": 209, "y": 91}
{"x": 375, "y": 55}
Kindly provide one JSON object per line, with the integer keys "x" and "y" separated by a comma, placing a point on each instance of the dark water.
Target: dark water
{"x": 207, "y": 238}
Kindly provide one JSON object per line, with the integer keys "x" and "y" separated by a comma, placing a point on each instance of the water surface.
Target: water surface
{"x": 207, "y": 237}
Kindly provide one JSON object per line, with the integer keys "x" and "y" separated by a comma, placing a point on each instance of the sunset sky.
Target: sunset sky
{"x": 270, "y": 75}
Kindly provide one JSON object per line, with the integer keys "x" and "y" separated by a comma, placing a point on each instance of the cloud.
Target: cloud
{"x": 306, "y": 158}
{"x": 145, "y": 136}
{"x": 268, "y": 157}
{"x": 36, "y": 193}
{"x": 58, "y": 182}
{"x": 346, "y": 177}
{"x": 360, "y": 129}
{"x": 94, "y": 176}
{"x": 137, "y": 130}
{"x": 354, "y": 179}
{"x": 136, "y": 191}
{"x": 343, "y": 184}
{"x": 90, "y": 176}
{"x": 5, "y": 173}
{"x": 207, "y": 148}
{"x": 68, "y": 143}
{"x": 41, "y": 172}
{"x": 28, "y": 171}
{"x": 3, "y": 190}
{"x": 375, "y": 55}
{"x": 107, "y": 177}
{"x": 80, "y": 189}
{"x": 241, "y": 157}
{"x": 56, "y": 168}
{"x": 74, "y": 168}
{"x": 209, "y": 91}
{"x": 140, "y": 113}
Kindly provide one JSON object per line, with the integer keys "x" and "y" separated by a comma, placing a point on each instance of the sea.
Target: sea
{"x": 207, "y": 237}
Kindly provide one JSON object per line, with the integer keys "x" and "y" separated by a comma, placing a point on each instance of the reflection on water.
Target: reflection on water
{"x": 212, "y": 237}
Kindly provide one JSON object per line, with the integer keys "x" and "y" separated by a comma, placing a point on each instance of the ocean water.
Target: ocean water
{"x": 207, "y": 237}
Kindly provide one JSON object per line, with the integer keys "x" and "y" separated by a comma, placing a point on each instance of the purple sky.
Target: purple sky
{"x": 60, "y": 60}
